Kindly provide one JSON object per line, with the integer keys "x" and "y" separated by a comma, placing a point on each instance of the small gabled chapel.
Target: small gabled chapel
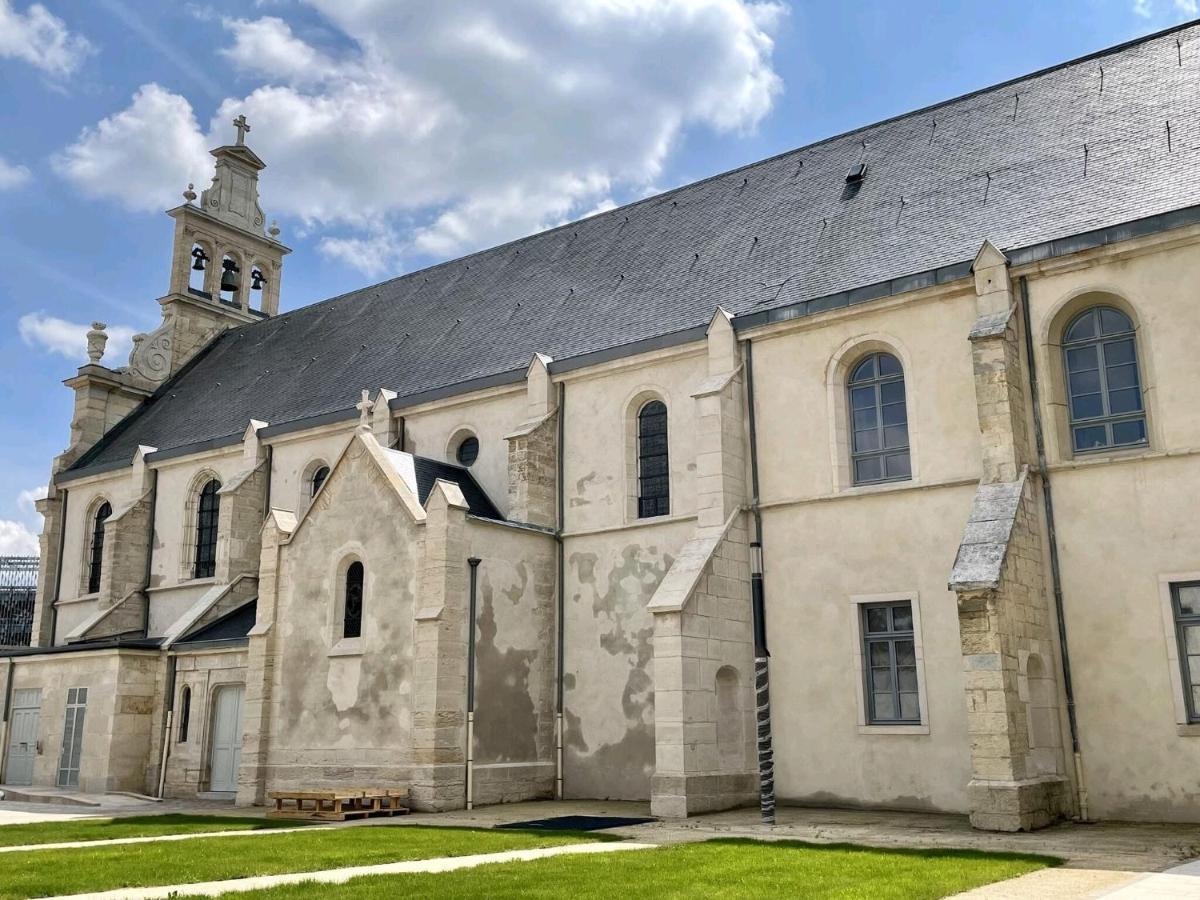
{"x": 861, "y": 476}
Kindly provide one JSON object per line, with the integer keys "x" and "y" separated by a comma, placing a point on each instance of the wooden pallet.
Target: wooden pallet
{"x": 339, "y": 804}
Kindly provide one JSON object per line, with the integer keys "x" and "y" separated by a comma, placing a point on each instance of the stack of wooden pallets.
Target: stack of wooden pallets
{"x": 339, "y": 804}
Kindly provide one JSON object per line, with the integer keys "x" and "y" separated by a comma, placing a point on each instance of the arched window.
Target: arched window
{"x": 198, "y": 274}
{"x": 230, "y": 287}
{"x": 1104, "y": 387}
{"x": 185, "y": 713}
{"x": 206, "y": 530}
{"x": 318, "y": 479}
{"x": 878, "y": 421}
{"x": 353, "y": 609}
{"x": 654, "y": 470}
{"x": 96, "y": 554}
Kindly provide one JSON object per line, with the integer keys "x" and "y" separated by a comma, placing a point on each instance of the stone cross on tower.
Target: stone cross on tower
{"x": 242, "y": 127}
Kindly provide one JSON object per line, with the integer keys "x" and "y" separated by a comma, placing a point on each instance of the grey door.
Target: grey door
{"x": 72, "y": 745}
{"x": 23, "y": 735}
{"x": 226, "y": 738}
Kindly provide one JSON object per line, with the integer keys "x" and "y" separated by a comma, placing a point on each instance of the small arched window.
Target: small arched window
{"x": 878, "y": 421}
{"x": 654, "y": 469}
{"x": 1104, "y": 387}
{"x": 185, "y": 713}
{"x": 318, "y": 479}
{"x": 206, "y": 530}
{"x": 96, "y": 553}
{"x": 353, "y": 609}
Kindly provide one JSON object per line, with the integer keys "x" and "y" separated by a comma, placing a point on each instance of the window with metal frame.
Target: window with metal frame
{"x": 1104, "y": 388}
{"x": 879, "y": 448}
{"x": 353, "y": 609}
{"x": 185, "y": 713}
{"x": 468, "y": 451}
{"x": 654, "y": 467}
{"x": 96, "y": 554}
{"x": 890, "y": 664}
{"x": 72, "y": 742}
{"x": 1185, "y": 603}
{"x": 318, "y": 479}
{"x": 207, "y": 511}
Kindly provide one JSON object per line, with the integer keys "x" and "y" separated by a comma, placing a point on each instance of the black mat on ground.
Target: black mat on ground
{"x": 577, "y": 823}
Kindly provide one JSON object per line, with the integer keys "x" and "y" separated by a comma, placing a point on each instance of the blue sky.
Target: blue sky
{"x": 400, "y": 133}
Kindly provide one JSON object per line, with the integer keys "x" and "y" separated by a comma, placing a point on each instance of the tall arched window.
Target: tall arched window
{"x": 96, "y": 554}
{"x": 206, "y": 531}
{"x": 878, "y": 421}
{"x": 318, "y": 479}
{"x": 185, "y": 713}
{"x": 654, "y": 470}
{"x": 353, "y": 608}
{"x": 1104, "y": 387}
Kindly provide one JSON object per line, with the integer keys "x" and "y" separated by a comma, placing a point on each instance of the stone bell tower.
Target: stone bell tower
{"x": 225, "y": 266}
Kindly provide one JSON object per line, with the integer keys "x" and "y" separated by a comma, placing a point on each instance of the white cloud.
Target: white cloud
{"x": 17, "y": 539}
{"x": 480, "y": 126}
{"x": 41, "y": 39}
{"x": 26, "y": 500}
{"x": 69, "y": 339}
{"x": 143, "y": 156}
{"x": 1148, "y": 9}
{"x": 1143, "y": 8}
{"x": 12, "y": 175}
{"x": 1187, "y": 7}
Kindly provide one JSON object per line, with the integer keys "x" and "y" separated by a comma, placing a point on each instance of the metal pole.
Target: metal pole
{"x": 559, "y": 662}
{"x": 474, "y": 566}
{"x": 762, "y": 674}
{"x": 1052, "y": 540}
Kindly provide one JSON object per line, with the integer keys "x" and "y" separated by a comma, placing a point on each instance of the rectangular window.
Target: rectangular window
{"x": 72, "y": 744}
{"x": 1185, "y": 604}
{"x": 890, "y": 664}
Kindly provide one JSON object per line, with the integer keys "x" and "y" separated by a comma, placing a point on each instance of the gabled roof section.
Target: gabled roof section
{"x": 430, "y": 470}
{"x": 1056, "y": 154}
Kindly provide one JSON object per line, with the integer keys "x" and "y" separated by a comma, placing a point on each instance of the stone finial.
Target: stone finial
{"x": 242, "y": 127}
{"x": 97, "y": 339}
{"x": 190, "y": 194}
{"x": 364, "y": 407}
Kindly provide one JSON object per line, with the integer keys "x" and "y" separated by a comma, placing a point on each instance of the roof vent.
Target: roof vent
{"x": 856, "y": 174}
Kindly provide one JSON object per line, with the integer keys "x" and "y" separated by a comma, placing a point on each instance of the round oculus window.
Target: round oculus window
{"x": 468, "y": 451}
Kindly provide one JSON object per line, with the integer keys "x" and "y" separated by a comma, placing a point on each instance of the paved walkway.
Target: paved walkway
{"x": 340, "y": 876}
{"x": 71, "y": 845}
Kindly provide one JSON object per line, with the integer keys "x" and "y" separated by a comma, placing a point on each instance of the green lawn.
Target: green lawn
{"x": 713, "y": 869}
{"x": 41, "y": 873}
{"x": 127, "y": 827}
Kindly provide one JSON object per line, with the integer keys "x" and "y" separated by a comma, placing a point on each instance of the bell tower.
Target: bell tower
{"x": 225, "y": 266}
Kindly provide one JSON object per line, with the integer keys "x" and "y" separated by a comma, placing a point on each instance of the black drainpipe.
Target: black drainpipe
{"x": 1052, "y": 539}
{"x": 762, "y": 679}
{"x": 560, "y": 667}
{"x": 58, "y": 567}
{"x": 473, "y": 563}
{"x": 150, "y": 553}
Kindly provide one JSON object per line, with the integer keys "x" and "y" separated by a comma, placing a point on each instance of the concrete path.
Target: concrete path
{"x": 340, "y": 876}
{"x": 108, "y": 842}
{"x": 1177, "y": 883}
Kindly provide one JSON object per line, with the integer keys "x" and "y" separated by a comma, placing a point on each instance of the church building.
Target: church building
{"x": 900, "y": 428}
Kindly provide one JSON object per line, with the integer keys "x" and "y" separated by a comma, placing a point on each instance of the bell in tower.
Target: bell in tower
{"x": 225, "y": 269}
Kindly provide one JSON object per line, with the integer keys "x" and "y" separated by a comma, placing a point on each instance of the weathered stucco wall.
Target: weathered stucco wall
{"x": 342, "y": 708}
{"x": 1126, "y": 528}
{"x": 515, "y": 650}
{"x": 294, "y": 458}
{"x": 609, "y": 659}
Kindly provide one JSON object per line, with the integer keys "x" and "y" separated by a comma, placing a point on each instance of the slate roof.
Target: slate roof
{"x": 1079, "y": 147}
{"x": 429, "y": 470}
{"x": 233, "y": 626}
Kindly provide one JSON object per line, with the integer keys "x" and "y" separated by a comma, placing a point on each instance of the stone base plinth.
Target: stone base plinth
{"x": 513, "y": 782}
{"x": 1018, "y": 805}
{"x": 680, "y": 796}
